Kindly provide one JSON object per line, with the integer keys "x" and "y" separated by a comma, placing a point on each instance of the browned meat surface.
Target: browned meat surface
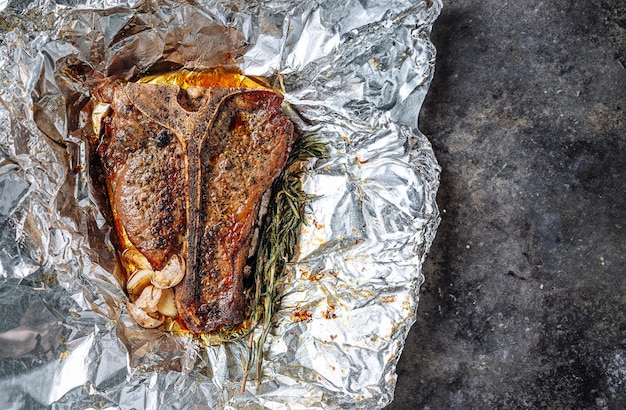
{"x": 144, "y": 168}
{"x": 185, "y": 173}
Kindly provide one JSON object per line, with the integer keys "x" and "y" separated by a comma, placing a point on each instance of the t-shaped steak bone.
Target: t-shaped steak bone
{"x": 186, "y": 171}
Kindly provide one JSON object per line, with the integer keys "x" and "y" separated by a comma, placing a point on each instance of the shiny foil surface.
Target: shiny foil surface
{"x": 354, "y": 74}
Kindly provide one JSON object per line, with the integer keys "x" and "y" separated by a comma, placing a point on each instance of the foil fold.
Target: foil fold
{"x": 354, "y": 75}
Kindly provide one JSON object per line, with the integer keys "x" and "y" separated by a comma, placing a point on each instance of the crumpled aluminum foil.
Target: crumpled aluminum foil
{"x": 355, "y": 71}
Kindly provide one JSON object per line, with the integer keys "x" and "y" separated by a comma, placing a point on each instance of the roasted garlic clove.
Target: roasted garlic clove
{"x": 167, "y": 305}
{"x": 195, "y": 91}
{"x": 139, "y": 280}
{"x": 142, "y": 318}
{"x": 171, "y": 275}
{"x": 149, "y": 299}
{"x": 136, "y": 259}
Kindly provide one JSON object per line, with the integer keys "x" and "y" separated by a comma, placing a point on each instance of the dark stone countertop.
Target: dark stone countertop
{"x": 524, "y": 304}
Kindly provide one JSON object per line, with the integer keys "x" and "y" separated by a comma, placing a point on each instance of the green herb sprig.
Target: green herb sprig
{"x": 278, "y": 239}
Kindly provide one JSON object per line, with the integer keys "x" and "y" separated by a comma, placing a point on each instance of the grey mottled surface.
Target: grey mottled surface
{"x": 524, "y": 304}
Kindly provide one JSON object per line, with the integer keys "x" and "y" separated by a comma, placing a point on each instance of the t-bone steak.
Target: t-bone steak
{"x": 185, "y": 172}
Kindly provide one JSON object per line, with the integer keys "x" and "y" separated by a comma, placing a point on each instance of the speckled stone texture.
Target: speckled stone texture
{"x": 524, "y": 304}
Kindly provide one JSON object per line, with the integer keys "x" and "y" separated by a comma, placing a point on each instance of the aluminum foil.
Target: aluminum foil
{"x": 355, "y": 72}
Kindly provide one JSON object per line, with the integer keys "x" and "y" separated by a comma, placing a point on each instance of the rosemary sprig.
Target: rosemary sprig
{"x": 279, "y": 234}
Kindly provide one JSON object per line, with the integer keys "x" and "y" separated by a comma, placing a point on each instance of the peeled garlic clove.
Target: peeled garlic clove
{"x": 167, "y": 305}
{"x": 142, "y": 318}
{"x": 171, "y": 275}
{"x": 136, "y": 258}
{"x": 138, "y": 281}
{"x": 149, "y": 299}
{"x": 195, "y": 91}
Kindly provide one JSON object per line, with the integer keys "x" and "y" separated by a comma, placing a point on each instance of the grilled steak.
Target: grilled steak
{"x": 185, "y": 172}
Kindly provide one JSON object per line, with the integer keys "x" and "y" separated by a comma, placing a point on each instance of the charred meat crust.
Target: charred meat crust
{"x": 186, "y": 176}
